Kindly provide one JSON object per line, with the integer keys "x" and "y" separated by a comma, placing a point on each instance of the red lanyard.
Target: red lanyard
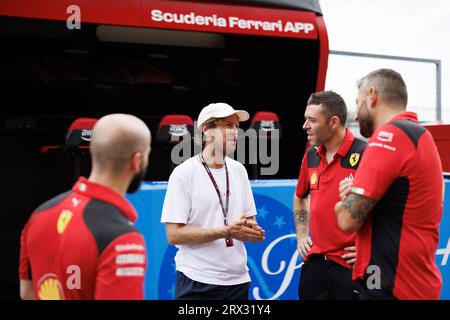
{"x": 228, "y": 240}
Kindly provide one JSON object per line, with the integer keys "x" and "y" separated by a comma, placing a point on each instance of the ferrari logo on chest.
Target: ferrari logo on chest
{"x": 313, "y": 180}
{"x": 354, "y": 158}
{"x": 63, "y": 221}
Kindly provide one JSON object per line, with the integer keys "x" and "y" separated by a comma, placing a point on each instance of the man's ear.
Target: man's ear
{"x": 205, "y": 130}
{"x": 335, "y": 121}
{"x": 373, "y": 97}
{"x": 136, "y": 161}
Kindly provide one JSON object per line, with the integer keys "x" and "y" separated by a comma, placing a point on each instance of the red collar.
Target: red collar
{"x": 405, "y": 115}
{"x": 345, "y": 145}
{"x": 101, "y": 192}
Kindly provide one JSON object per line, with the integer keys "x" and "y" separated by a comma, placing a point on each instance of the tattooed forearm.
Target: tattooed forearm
{"x": 358, "y": 206}
{"x": 301, "y": 217}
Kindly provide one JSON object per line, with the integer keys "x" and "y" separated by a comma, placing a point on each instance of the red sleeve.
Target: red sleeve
{"x": 24, "y": 262}
{"x": 302, "y": 189}
{"x": 386, "y": 154}
{"x": 121, "y": 269}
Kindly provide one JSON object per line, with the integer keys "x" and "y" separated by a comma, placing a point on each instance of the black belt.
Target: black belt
{"x": 320, "y": 256}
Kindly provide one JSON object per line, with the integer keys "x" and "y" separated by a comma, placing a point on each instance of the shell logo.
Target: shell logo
{"x": 50, "y": 288}
{"x": 63, "y": 220}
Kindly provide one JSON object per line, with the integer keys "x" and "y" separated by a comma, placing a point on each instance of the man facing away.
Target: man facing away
{"x": 83, "y": 243}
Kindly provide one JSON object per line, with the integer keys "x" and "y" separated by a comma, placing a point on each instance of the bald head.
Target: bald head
{"x": 116, "y": 138}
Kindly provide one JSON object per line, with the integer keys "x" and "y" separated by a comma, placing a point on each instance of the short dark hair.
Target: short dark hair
{"x": 332, "y": 105}
{"x": 389, "y": 85}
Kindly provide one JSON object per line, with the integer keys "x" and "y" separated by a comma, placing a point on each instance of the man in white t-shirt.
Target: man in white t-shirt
{"x": 209, "y": 211}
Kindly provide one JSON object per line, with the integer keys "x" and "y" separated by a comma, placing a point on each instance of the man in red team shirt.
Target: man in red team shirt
{"x": 328, "y": 254}
{"x": 395, "y": 200}
{"x": 83, "y": 243}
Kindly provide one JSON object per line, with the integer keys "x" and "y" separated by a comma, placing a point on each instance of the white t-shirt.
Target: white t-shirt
{"x": 191, "y": 199}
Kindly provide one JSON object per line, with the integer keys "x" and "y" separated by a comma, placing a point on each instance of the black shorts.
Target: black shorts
{"x": 188, "y": 289}
{"x": 324, "y": 279}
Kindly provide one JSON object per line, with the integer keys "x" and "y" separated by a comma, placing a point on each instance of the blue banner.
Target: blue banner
{"x": 274, "y": 264}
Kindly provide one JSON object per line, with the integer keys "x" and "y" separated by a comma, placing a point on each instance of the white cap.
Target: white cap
{"x": 220, "y": 110}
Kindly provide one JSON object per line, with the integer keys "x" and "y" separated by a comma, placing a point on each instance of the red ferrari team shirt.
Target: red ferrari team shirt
{"x": 83, "y": 245}
{"x": 321, "y": 180}
{"x": 402, "y": 170}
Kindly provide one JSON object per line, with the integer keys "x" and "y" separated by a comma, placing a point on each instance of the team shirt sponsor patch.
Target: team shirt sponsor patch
{"x": 130, "y": 258}
{"x": 129, "y": 247}
{"x": 130, "y": 272}
{"x": 49, "y": 288}
{"x": 126, "y": 261}
{"x": 381, "y": 145}
{"x": 359, "y": 191}
{"x": 385, "y": 136}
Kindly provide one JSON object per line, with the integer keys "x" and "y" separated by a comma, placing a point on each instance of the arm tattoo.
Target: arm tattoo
{"x": 358, "y": 206}
{"x": 301, "y": 217}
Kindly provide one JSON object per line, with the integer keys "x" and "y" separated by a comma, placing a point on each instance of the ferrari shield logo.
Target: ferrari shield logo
{"x": 63, "y": 220}
{"x": 313, "y": 180}
{"x": 354, "y": 158}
